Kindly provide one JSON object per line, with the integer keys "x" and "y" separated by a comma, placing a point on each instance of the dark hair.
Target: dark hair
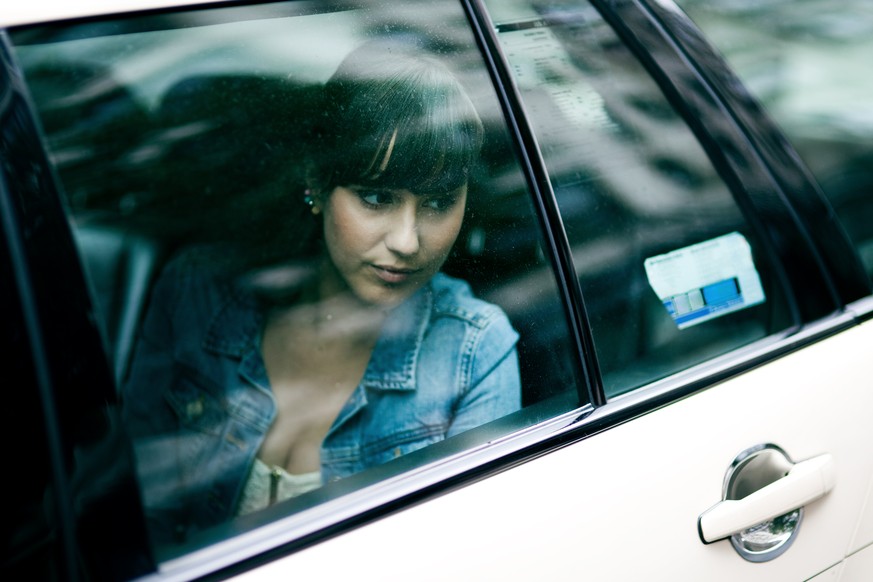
{"x": 392, "y": 117}
{"x": 389, "y": 117}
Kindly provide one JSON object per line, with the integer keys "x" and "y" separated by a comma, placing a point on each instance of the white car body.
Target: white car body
{"x": 619, "y": 504}
{"x": 653, "y": 477}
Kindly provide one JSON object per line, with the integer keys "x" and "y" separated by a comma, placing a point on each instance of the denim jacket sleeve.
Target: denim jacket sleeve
{"x": 152, "y": 358}
{"x": 494, "y": 380}
{"x": 482, "y": 347}
{"x": 444, "y": 363}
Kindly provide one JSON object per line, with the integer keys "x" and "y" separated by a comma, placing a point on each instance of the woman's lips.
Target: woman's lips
{"x": 393, "y": 275}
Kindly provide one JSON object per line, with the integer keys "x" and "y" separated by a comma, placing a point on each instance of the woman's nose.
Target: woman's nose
{"x": 402, "y": 236}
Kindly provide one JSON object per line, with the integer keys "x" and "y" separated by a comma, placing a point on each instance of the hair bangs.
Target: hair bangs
{"x": 431, "y": 152}
{"x": 400, "y": 123}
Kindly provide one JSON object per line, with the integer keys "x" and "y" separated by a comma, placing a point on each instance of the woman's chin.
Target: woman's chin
{"x": 384, "y": 296}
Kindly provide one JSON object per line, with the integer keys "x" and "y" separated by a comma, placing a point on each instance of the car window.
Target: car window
{"x": 807, "y": 64}
{"x": 671, "y": 271}
{"x": 311, "y": 246}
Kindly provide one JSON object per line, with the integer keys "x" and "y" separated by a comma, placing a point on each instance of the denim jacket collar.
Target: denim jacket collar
{"x": 395, "y": 357}
{"x": 236, "y": 328}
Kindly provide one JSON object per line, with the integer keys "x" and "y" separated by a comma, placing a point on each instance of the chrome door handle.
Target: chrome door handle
{"x": 804, "y": 483}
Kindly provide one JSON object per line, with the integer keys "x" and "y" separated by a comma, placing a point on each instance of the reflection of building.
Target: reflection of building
{"x": 631, "y": 179}
{"x": 599, "y": 119}
{"x": 808, "y": 62}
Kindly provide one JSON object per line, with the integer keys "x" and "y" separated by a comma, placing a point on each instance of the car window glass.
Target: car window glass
{"x": 671, "y": 272}
{"x": 310, "y": 244}
{"x": 808, "y": 65}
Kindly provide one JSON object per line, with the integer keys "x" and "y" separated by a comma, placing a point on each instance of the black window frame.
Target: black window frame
{"x": 74, "y": 387}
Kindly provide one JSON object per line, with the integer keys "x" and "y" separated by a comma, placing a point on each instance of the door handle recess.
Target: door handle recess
{"x": 804, "y": 483}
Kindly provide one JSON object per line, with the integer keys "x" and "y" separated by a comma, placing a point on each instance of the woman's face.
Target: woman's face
{"x": 384, "y": 244}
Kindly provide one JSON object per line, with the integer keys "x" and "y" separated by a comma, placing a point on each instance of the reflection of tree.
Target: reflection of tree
{"x": 785, "y": 524}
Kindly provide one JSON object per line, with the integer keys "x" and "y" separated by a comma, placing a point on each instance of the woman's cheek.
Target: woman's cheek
{"x": 447, "y": 233}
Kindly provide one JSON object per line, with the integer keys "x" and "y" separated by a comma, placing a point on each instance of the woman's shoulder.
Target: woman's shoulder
{"x": 197, "y": 276}
{"x": 454, "y": 298}
{"x": 200, "y": 262}
{"x": 484, "y": 338}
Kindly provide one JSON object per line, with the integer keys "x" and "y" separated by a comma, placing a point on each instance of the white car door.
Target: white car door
{"x": 772, "y": 414}
{"x": 624, "y": 504}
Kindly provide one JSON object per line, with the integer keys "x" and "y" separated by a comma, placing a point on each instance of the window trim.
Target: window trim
{"x": 14, "y": 240}
{"x": 588, "y": 376}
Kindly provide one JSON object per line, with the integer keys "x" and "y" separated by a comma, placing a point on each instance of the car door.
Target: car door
{"x": 624, "y": 504}
{"x": 682, "y": 315}
{"x": 166, "y": 140}
{"x": 631, "y": 495}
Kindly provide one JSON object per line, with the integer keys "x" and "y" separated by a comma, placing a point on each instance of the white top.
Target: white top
{"x": 268, "y": 484}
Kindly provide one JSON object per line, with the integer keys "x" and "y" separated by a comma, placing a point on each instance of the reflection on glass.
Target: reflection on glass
{"x": 283, "y": 375}
{"x": 809, "y": 66}
{"x": 332, "y": 252}
{"x": 767, "y": 536}
{"x": 632, "y": 183}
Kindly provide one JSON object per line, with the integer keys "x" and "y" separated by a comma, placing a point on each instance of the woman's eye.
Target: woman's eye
{"x": 440, "y": 203}
{"x": 375, "y": 197}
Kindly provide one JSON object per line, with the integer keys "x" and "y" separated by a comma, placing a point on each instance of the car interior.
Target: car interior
{"x": 212, "y": 156}
{"x": 207, "y": 166}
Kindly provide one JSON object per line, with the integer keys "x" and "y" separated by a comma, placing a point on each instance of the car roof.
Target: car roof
{"x": 37, "y": 11}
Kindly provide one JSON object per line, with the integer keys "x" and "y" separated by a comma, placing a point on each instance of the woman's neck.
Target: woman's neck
{"x": 330, "y": 305}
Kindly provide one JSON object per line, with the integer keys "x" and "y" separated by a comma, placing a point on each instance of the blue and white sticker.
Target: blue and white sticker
{"x": 706, "y": 280}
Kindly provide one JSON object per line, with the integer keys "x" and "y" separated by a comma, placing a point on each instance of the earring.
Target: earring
{"x": 309, "y": 200}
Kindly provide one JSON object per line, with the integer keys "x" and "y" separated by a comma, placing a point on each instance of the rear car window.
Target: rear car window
{"x": 808, "y": 65}
{"x": 671, "y": 270}
{"x": 310, "y": 243}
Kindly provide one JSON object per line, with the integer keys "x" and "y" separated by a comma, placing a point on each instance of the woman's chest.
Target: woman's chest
{"x": 312, "y": 378}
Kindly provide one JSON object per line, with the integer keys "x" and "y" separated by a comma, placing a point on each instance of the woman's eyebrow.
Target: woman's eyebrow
{"x": 370, "y": 188}
{"x": 451, "y": 193}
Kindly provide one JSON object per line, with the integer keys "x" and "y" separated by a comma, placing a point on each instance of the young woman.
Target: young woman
{"x": 239, "y": 397}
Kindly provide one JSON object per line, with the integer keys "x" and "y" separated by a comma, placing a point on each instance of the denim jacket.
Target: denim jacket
{"x": 198, "y": 402}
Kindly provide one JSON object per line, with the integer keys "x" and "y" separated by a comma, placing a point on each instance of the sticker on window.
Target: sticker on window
{"x": 706, "y": 280}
